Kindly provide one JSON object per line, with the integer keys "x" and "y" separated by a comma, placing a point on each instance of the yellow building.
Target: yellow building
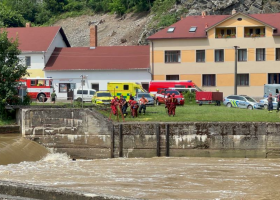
{"x": 202, "y": 49}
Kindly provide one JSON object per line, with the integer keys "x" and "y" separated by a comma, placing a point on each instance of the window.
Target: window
{"x": 171, "y": 29}
{"x": 208, "y": 79}
{"x": 172, "y": 77}
{"x": 192, "y": 29}
{"x": 172, "y": 56}
{"x": 125, "y": 87}
{"x": 277, "y": 53}
{"x": 243, "y": 79}
{"x": 260, "y": 55}
{"x": 63, "y": 88}
{"x": 274, "y": 78}
{"x": 91, "y": 92}
{"x": 145, "y": 86}
{"x": 228, "y": 31}
{"x": 200, "y": 55}
{"x": 33, "y": 82}
{"x": 28, "y": 61}
{"x": 95, "y": 86}
{"x": 258, "y": 31}
{"x": 82, "y": 91}
{"x": 219, "y": 55}
{"x": 242, "y": 54}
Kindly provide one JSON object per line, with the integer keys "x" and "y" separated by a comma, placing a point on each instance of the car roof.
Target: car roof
{"x": 103, "y": 92}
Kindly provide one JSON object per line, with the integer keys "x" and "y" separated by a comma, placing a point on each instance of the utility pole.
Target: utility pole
{"x": 235, "y": 70}
{"x": 82, "y": 91}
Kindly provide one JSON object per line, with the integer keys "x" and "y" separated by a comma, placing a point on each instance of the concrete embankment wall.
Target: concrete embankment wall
{"x": 9, "y": 129}
{"x": 87, "y": 134}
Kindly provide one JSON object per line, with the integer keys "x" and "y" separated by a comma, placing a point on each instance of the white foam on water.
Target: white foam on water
{"x": 51, "y": 157}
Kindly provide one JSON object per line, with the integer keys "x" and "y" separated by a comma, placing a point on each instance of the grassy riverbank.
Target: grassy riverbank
{"x": 205, "y": 113}
{"x": 4, "y": 122}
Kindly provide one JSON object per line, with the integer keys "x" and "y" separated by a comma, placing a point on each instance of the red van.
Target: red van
{"x": 155, "y": 85}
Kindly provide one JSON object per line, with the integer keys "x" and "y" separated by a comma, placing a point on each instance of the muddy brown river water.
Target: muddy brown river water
{"x": 154, "y": 178}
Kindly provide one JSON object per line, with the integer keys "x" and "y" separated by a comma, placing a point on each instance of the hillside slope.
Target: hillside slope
{"x": 133, "y": 29}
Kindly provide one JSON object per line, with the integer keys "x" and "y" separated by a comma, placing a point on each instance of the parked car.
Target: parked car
{"x": 162, "y": 94}
{"x": 85, "y": 94}
{"x": 264, "y": 102}
{"x": 102, "y": 97}
{"x": 147, "y": 96}
{"x": 185, "y": 89}
{"x": 242, "y": 101}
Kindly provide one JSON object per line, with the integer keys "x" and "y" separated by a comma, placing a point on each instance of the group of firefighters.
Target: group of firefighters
{"x": 121, "y": 105}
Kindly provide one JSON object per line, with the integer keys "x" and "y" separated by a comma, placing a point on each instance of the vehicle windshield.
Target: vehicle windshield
{"x": 250, "y": 99}
{"x": 145, "y": 95}
{"x": 103, "y": 94}
{"x": 198, "y": 89}
{"x": 173, "y": 91}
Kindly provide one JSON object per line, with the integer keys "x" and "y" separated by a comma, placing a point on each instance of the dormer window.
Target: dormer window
{"x": 192, "y": 29}
{"x": 171, "y": 30}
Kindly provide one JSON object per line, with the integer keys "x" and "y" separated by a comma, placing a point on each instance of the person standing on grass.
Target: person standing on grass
{"x": 270, "y": 105}
{"x": 278, "y": 102}
{"x": 173, "y": 104}
{"x": 53, "y": 96}
{"x": 143, "y": 101}
{"x": 167, "y": 103}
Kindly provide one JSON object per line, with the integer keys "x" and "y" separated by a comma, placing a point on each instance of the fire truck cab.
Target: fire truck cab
{"x": 38, "y": 88}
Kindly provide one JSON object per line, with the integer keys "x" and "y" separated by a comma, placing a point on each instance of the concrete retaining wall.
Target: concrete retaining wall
{"x": 9, "y": 129}
{"x": 47, "y": 193}
{"x": 87, "y": 134}
{"x": 81, "y": 133}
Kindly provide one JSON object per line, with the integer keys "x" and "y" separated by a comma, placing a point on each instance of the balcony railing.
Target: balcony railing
{"x": 248, "y": 35}
{"x": 226, "y": 36}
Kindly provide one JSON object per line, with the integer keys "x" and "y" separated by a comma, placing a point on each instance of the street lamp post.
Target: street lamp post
{"x": 235, "y": 70}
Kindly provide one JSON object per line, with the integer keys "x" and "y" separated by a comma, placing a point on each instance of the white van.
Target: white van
{"x": 85, "y": 94}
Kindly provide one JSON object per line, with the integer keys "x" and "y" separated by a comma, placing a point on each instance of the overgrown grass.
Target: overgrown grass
{"x": 205, "y": 113}
{"x": 4, "y": 122}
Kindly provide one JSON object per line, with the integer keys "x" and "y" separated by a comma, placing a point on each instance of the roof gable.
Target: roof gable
{"x": 236, "y": 15}
{"x": 100, "y": 58}
{"x": 34, "y": 39}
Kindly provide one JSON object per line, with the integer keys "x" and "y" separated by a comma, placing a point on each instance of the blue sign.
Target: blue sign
{"x": 117, "y": 87}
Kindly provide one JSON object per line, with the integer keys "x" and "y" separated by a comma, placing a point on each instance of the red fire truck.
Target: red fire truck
{"x": 155, "y": 85}
{"x": 38, "y": 88}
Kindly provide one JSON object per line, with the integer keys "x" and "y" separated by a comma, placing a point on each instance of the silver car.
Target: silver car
{"x": 148, "y": 96}
{"x": 264, "y": 102}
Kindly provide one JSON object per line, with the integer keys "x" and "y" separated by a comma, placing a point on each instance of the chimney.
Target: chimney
{"x": 233, "y": 11}
{"x": 93, "y": 36}
{"x": 203, "y": 14}
{"x": 28, "y": 25}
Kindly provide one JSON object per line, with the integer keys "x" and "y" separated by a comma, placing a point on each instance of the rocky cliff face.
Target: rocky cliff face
{"x": 133, "y": 29}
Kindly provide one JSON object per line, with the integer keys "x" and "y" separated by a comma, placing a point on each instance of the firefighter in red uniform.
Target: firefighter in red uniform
{"x": 167, "y": 103}
{"x": 133, "y": 108}
{"x": 173, "y": 104}
{"x": 114, "y": 105}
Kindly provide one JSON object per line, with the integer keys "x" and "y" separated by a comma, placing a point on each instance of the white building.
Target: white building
{"x": 99, "y": 65}
{"x": 37, "y": 45}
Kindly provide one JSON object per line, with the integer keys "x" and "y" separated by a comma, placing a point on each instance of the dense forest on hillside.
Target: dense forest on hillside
{"x": 14, "y": 13}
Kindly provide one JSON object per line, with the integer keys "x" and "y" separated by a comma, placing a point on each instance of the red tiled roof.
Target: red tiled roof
{"x": 182, "y": 27}
{"x": 36, "y": 38}
{"x": 271, "y": 19}
{"x": 100, "y": 58}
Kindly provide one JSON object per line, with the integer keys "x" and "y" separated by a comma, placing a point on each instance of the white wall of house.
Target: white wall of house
{"x": 37, "y": 60}
{"x": 96, "y": 77}
{"x": 57, "y": 42}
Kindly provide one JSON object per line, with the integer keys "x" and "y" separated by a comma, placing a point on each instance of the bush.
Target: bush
{"x": 74, "y": 6}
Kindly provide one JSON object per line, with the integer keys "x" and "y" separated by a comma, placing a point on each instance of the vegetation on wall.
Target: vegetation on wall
{"x": 11, "y": 70}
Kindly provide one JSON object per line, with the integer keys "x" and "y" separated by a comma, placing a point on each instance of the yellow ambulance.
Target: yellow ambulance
{"x": 124, "y": 88}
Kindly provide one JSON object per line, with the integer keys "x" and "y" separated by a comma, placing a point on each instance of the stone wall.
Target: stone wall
{"x": 81, "y": 133}
{"x": 8, "y": 129}
{"x": 84, "y": 133}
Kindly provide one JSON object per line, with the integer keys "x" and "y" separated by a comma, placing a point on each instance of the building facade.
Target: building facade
{"x": 202, "y": 49}
{"x": 97, "y": 66}
{"x": 37, "y": 45}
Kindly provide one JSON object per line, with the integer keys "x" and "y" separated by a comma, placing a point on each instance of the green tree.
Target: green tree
{"x": 11, "y": 70}
{"x": 55, "y": 6}
{"x": 10, "y": 18}
{"x": 118, "y": 6}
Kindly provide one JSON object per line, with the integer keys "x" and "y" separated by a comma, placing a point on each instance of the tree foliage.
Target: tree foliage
{"x": 10, "y": 18}
{"x": 11, "y": 70}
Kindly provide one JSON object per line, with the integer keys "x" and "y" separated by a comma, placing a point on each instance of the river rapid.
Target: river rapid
{"x": 152, "y": 178}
